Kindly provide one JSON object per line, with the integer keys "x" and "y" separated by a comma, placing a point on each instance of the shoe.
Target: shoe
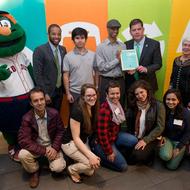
{"x": 34, "y": 179}
{"x": 74, "y": 177}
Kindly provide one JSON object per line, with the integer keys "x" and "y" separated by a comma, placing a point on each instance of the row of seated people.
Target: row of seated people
{"x": 94, "y": 136}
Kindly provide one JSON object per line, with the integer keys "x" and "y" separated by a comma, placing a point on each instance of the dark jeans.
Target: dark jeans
{"x": 145, "y": 156}
{"x": 124, "y": 140}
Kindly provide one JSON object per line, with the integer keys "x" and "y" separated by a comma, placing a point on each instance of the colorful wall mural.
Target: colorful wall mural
{"x": 167, "y": 21}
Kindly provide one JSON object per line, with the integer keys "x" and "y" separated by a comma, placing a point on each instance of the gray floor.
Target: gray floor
{"x": 12, "y": 177}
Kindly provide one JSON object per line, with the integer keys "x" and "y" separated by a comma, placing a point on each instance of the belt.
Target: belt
{"x": 112, "y": 78}
{"x": 10, "y": 99}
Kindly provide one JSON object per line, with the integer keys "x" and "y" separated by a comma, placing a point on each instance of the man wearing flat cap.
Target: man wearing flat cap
{"x": 108, "y": 60}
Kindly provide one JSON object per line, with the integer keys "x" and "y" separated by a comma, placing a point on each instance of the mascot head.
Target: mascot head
{"x": 12, "y": 36}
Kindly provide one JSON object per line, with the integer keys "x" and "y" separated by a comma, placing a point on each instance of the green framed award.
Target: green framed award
{"x": 129, "y": 59}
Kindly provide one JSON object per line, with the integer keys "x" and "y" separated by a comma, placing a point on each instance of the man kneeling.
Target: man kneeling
{"x": 40, "y": 135}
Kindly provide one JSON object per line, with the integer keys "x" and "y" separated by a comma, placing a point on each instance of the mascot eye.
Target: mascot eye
{"x": 5, "y": 23}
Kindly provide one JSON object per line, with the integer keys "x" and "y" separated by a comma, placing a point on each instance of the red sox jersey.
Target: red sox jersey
{"x": 20, "y": 81}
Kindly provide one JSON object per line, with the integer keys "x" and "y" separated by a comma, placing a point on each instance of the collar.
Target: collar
{"x": 38, "y": 117}
{"x": 107, "y": 41}
{"x": 76, "y": 51}
{"x": 53, "y": 48}
{"x": 141, "y": 43}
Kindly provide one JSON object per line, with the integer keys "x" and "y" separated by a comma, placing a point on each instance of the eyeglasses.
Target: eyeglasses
{"x": 90, "y": 95}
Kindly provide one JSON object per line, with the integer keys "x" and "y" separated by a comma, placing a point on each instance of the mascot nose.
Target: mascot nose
{"x": 5, "y": 31}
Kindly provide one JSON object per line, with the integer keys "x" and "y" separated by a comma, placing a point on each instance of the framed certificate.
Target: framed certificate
{"x": 129, "y": 59}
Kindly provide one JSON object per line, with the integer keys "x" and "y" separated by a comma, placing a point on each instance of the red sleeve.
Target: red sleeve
{"x": 102, "y": 130}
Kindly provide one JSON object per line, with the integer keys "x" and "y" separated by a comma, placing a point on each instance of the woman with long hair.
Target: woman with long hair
{"x": 145, "y": 118}
{"x": 177, "y": 130}
{"x": 79, "y": 132}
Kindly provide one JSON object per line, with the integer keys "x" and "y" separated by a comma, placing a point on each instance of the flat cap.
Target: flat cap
{"x": 113, "y": 23}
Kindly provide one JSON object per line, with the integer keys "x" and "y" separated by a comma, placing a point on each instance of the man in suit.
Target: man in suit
{"x": 148, "y": 53}
{"x": 48, "y": 64}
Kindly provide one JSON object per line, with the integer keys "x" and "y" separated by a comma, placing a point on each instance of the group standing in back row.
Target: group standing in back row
{"x": 42, "y": 132}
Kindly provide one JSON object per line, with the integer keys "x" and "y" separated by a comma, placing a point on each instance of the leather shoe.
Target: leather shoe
{"x": 34, "y": 179}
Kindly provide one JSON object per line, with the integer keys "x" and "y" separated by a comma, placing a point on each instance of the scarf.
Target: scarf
{"x": 118, "y": 115}
{"x": 141, "y": 106}
{"x": 179, "y": 63}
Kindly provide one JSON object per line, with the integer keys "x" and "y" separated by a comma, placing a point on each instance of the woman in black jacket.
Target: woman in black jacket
{"x": 177, "y": 130}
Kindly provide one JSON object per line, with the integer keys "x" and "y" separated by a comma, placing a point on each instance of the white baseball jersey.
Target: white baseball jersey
{"x": 20, "y": 81}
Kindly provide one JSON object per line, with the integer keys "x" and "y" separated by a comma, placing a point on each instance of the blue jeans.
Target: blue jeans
{"x": 125, "y": 140}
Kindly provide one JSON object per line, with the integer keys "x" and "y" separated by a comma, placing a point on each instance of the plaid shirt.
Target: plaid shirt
{"x": 107, "y": 130}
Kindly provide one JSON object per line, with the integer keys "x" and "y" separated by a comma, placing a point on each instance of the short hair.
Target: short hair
{"x": 186, "y": 39}
{"x": 79, "y": 32}
{"x": 36, "y": 90}
{"x": 112, "y": 84}
{"x": 52, "y": 26}
{"x": 135, "y": 21}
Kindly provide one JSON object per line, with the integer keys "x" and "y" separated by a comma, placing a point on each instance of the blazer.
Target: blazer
{"x": 28, "y": 132}
{"x": 45, "y": 70}
{"x": 150, "y": 58}
{"x": 154, "y": 121}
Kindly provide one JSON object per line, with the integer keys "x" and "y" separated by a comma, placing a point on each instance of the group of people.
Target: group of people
{"x": 114, "y": 118}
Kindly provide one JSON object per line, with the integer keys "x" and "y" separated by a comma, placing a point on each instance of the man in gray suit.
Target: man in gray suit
{"x": 48, "y": 64}
{"x": 149, "y": 55}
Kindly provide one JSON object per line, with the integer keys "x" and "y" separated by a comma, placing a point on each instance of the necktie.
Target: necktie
{"x": 136, "y": 75}
{"x": 58, "y": 84}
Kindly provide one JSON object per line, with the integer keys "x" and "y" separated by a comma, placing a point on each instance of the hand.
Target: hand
{"x": 94, "y": 162}
{"x": 140, "y": 145}
{"x": 51, "y": 153}
{"x": 48, "y": 99}
{"x": 70, "y": 98}
{"x": 131, "y": 72}
{"x": 111, "y": 157}
{"x": 4, "y": 72}
{"x": 142, "y": 69}
{"x": 175, "y": 152}
{"x": 118, "y": 55}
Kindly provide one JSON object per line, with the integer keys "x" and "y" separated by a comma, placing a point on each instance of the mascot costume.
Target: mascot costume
{"x": 15, "y": 80}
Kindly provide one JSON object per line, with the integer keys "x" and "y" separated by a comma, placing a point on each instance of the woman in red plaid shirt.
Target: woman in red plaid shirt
{"x": 109, "y": 137}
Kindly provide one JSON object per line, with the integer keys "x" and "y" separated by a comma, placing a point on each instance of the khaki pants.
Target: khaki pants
{"x": 31, "y": 165}
{"x": 82, "y": 165}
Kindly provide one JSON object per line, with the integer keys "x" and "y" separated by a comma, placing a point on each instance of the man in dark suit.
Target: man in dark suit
{"x": 148, "y": 53}
{"x": 48, "y": 64}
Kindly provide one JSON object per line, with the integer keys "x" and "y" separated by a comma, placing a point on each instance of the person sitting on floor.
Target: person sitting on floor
{"x": 177, "y": 130}
{"x": 40, "y": 135}
{"x": 110, "y": 138}
{"x": 79, "y": 133}
{"x": 145, "y": 118}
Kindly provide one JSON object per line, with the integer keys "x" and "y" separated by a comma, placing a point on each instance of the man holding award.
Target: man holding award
{"x": 108, "y": 60}
{"x": 148, "y": 55}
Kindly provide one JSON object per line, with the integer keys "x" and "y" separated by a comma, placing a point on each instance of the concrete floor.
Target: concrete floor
{"x": 13, "y": 177}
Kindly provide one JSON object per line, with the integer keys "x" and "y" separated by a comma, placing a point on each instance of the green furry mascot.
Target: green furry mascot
{"x": 15, "y": 80}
